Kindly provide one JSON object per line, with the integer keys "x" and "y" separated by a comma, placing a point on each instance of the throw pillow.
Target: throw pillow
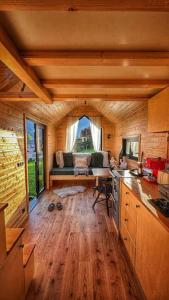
{"x": 106, "y": 163}
{"x": 81, "y": 162}
{"x": 79, "y": 155}
{"x": 97, "y": 160}
{"x": 68, "y": 159}
{"x": 59, "y": 159}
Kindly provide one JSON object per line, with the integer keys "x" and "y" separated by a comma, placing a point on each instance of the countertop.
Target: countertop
{"x": 144, "y": 191}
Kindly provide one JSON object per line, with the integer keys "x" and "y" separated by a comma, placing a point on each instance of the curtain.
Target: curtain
{"x": 95, "y": 125}
{"x": 71, "y": 134}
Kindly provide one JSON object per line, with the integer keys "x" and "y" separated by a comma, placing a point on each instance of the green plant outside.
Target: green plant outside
{"x": 32, "y": 177}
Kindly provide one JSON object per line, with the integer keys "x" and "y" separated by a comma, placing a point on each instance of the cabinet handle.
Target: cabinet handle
{"x": 127, "y": 193}
{"x": 137, "y": 205}
{"x": 126, "y": 204}
{"x": 126, "y": 220}
{"x": 21, "y": 245}
{"x": 125, "y": 239}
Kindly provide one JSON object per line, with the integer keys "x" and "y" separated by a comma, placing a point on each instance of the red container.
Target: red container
{"x": 155, "y": 164}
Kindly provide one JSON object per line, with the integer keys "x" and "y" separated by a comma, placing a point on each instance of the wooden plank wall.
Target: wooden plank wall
{"x": 152, "y": 144}
{"x": 89, "y": 111}
{"x": 11, "y": 120}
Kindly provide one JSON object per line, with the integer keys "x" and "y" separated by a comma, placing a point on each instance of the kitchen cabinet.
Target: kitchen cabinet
{"x": 147, "y": 243}
{"x": 12, "y": 275}
{"x": 128, "y": 220}
{"x": 16, "y": 262}
{"x": 152, "y": 259}
{"x": 158, "y": 112}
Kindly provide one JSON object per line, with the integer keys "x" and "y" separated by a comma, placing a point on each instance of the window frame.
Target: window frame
{"x": 101, "y": 133}
{"x": 133, "y": 138}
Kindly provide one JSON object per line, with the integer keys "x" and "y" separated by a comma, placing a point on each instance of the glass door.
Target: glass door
{"x": 36, "y": 160}
{"x": 31, "y": 154}
{"x": 40, "y": 166}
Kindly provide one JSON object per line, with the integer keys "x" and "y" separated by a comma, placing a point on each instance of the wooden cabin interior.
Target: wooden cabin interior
{"x": 84, "y": 150}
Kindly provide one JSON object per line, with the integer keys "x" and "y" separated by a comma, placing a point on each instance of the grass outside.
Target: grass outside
{"x": 32, "y": 177}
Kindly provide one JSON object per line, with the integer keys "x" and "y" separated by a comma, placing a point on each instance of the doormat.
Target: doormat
{"x": 69, "y": 191}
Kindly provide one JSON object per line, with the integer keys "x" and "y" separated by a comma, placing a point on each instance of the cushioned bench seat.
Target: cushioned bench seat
{"x": 69, "y": 161}
{"x": 66, "y": 171}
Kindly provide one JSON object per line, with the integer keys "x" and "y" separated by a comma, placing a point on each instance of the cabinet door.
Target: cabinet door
{"x": 130, "y": 247}
{"x": 129, "y": 205}
{"x": 152, "y": 256}
{"x": 158, "y": 112}
{"x": 12, "y": 275}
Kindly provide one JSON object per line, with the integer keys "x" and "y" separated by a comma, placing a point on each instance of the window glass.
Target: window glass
{"x": 84, "y": 141}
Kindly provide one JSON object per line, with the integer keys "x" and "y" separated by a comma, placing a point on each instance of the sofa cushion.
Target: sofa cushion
{"x": 66, "y": 171}
{"x": 80, "y": 162}
{"x": 106, "y": 163}
{"x": 62, "y": 171}
{"x": 59, "y": 159}
{"x": 96, "y": 160}
{"x": 88, "y": 155}
{"x": 68, "y": 159}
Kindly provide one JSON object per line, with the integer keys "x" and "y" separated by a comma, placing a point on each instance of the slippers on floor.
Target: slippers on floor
{"x": 51, "y": 207}
{"x": 59, "y": 206}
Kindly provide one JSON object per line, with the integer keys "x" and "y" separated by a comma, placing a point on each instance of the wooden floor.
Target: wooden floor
{"x": 77, "y": 255}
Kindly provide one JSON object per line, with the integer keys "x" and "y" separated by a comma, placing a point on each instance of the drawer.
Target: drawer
{"x": 125, "y": 236}
{"x": 131, "y": 227}
{"x": 125, "y": 190}
{"x": 129, "y": 245}
{"x": 123, "y": 212}
{"x": 125, "y": 196}
{"x": 134, "y": 205}
{"x": 130, "y": 202}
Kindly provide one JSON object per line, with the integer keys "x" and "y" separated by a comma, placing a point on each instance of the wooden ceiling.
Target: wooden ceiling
{"x": 56, "y": 55}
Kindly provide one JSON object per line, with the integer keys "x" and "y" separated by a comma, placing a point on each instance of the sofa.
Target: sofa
{"x": 65, "y": 171}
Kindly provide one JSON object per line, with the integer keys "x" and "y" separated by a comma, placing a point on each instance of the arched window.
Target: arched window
{"x": 84, "y": 142}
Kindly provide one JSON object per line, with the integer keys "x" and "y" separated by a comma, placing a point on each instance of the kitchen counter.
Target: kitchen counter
{"x": 144, "y": 191}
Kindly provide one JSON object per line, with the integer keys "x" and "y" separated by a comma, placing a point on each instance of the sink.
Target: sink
{"x": 122, "y": 173}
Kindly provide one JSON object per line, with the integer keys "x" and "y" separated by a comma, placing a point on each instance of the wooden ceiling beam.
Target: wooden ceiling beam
{"x": 29, "y": 97}
{"x": 11, "y": 58}
{"x": 96, "y": 58}
{"x": 85, "y": 5}
{"x": 104, "y": 83}
{"x": 19, "y": 97}
{"x": 112, "y": 97}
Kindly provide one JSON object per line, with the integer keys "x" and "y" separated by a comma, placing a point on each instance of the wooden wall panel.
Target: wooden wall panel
{"x": 12, "y": 119}
{"x": 152, "y": 144}
{"x": 107, "y": 126}
{"x": 12, "y": 164}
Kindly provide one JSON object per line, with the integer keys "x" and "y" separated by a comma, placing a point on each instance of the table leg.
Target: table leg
{"x": 97, "y": 180}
